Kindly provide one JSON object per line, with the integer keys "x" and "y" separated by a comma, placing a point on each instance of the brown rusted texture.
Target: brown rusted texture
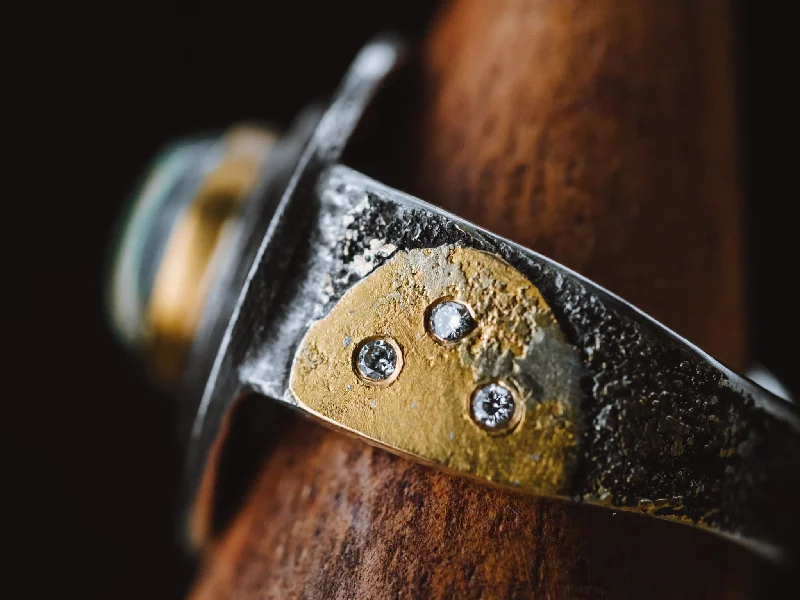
{"x": 601, "y": 134}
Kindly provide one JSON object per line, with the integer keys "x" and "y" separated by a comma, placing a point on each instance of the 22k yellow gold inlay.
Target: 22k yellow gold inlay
{"x": 425, "y": 412}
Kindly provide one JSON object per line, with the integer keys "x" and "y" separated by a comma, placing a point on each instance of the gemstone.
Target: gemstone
{"x": 493, "y": 407}
{"x": 377, "y": 360}
{"x": 450, "y": 321}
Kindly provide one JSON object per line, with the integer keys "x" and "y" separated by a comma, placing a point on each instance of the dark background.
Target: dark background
{"x": 90, "y": 458}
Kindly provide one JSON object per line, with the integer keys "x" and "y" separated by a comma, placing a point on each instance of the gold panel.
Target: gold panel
{"x": 425, "y": 413}
{"x": 186, "y": 271}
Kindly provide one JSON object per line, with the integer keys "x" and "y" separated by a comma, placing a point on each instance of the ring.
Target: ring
{"x": 383, "y": 316}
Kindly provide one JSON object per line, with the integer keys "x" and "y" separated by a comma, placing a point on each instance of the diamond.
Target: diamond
{"x": 450, "y": 321}
{"x": 493, "y": 407}
{"x": 377, "y": 360}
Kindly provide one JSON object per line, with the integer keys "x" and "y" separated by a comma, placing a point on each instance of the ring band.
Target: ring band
{"x": 429, "y": 336}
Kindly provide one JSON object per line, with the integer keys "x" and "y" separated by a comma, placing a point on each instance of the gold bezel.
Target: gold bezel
{"x": 442, "y": 300}
{"x": 398, "y": 351}
{"x": 519, "y": 407}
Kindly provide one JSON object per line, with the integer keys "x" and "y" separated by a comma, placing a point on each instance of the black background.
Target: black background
{"x": 90, "y": 459}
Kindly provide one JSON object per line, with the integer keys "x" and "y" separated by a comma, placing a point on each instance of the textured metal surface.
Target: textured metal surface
{"x": 662, "y": 428}
{"x": 425, "y": 413}
{"x": 666, "y": 429}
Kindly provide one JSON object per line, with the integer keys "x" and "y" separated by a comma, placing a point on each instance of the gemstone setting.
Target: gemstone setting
{"x": 450, "y": 321}
{"x": 378, "y": 360}
{"x": 495, "y": 408}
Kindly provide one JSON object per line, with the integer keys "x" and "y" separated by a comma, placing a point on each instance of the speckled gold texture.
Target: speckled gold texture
{"x": 425, "y": 412}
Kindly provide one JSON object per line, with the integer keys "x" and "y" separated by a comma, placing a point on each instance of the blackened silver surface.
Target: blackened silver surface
{"x": 666, "y": 428}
